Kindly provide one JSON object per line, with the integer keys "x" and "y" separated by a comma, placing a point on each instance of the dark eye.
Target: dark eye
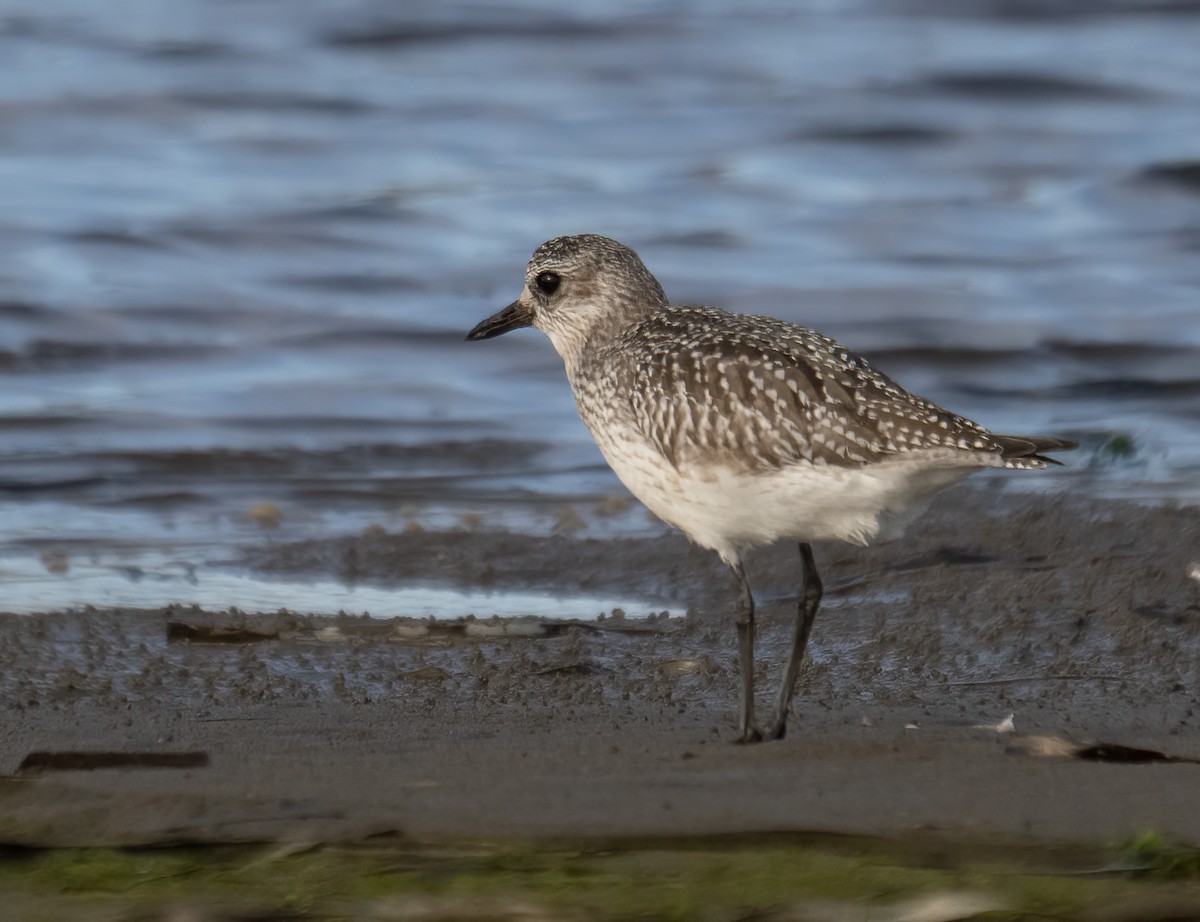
{"x": 548, "y": 282}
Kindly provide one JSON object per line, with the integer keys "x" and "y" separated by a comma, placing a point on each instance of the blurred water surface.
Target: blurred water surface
{"x": 243, "y": 240}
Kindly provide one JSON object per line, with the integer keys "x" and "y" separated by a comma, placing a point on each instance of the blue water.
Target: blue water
{"x": 242, "y": 242}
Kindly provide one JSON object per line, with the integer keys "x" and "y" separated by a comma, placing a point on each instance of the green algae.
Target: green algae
{"x": 1156, "y": 855}
{"x": 711, "y": 880}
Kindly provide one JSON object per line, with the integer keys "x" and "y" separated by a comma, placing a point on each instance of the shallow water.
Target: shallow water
{"x": 243, "y": 242}
{"x": 121, "y": 580}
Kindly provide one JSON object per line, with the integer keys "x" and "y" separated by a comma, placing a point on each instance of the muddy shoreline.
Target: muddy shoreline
{"x": 1080, "y": 619}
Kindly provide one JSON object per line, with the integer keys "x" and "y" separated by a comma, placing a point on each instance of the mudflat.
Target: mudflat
{"x": 1080, "y": 619}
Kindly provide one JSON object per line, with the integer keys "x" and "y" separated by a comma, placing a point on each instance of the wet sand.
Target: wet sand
{"x": 1081, "y": 619}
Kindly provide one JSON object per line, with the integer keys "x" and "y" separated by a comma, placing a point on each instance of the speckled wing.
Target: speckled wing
{"x": 758, "y": 394}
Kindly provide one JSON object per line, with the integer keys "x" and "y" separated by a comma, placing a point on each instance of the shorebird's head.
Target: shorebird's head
{"x": 572, "y": 286}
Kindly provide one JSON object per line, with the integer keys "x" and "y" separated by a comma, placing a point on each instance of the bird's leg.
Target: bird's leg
{"x": 748, "y": 731}
{"x": 806, "y": 613}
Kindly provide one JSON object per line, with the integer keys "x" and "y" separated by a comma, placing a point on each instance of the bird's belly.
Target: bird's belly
{"x": 729, "y": 510}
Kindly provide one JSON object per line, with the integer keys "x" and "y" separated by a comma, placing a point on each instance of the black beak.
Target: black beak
{"x": 513, "y": 317}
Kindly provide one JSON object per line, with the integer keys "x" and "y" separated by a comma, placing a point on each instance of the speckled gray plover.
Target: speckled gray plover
{"x": 742, "y": 430}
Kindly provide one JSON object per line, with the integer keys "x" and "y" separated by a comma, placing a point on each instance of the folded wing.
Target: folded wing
{"x": 758, "y": 394}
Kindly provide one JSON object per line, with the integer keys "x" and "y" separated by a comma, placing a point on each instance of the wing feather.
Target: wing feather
{"x": 754, "y": 393}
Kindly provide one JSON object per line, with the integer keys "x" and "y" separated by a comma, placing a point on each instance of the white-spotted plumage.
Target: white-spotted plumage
{"x": 742, "y": 430}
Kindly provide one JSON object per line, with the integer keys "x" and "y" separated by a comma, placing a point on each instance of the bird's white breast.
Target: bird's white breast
{"x": 728, "y": 510}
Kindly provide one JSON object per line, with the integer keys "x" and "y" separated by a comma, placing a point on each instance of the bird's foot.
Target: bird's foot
{"x": 750, "y": 734}
{"x": 778, "y": 729}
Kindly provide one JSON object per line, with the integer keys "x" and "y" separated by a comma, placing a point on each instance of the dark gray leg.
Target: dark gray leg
{"x": 806, "y": 613}
{"x": 748, "y": 732}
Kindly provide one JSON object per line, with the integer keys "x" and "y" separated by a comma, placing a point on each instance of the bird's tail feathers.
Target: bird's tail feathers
{"x": 1027, "y": 449}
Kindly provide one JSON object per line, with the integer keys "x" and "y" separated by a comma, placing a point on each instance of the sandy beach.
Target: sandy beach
{"x": 1079, "y": 619}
